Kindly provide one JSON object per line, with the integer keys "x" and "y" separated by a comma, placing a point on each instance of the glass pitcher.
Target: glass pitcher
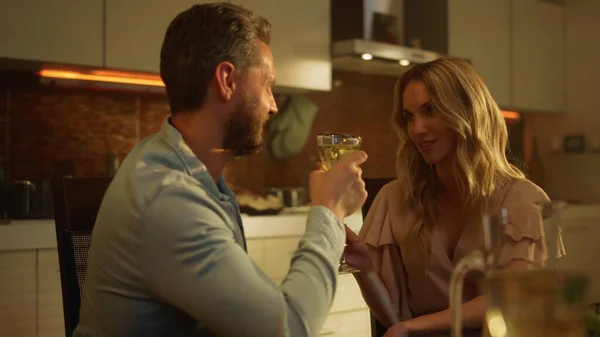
{"x": 538, "y": 301}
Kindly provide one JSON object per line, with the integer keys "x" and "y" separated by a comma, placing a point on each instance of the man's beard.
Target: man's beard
{"x": 243, "y": 131}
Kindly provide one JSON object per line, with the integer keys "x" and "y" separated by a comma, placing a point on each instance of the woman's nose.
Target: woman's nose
{"x": 419, "y": 125}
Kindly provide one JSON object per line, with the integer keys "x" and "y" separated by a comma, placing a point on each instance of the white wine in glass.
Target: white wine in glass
{"x": 332, "y": 148}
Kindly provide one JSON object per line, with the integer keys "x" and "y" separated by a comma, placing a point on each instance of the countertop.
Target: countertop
{"x": 40, "y": 234}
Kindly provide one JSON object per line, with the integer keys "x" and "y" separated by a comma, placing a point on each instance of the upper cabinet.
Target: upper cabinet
{"x": 61, "y": 31}
{"x": 135, "y": 30}
{"x": 128, "y": 34}
{"x": 480, "y": 31}
{"x": 518, "y": 48}
{"x": 538, "y": 56}
{"x": 300, "y": 41}
{"x": 299, "y": 37}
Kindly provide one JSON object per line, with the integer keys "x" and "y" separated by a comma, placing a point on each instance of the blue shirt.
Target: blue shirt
{"x": 168, "y": 257}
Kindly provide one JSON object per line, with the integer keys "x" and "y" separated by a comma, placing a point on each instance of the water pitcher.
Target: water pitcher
{"x": 536, "y": 301}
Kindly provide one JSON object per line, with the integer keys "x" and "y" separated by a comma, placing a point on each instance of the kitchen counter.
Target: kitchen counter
{"x": 31, "y": 286}
{"x": 40, "y": 234}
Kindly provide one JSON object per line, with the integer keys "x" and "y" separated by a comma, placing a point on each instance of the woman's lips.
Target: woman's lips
{"x": 425, "y": 146}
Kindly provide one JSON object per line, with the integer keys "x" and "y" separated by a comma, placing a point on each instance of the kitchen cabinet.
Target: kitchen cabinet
{"x": 349, "y": 314}
{"x": 299, "y": 38}
{"x": 30, "y": 294}
{"x": 128, "y": 35}
{"x": 18, "y": 293}
{"x": 300, "y": 41}
{"x": 355, "y": 323}
{"x": 50, "y": 317}
{"x": 62, "y": 31}
{"x": 135, "y": 30}
{"x": 580, "y": 233}
{"x": 538, "y": 56}
{"x": 518, "y": 48}
{"x": 480, "y": 31}
{"x": 30, "y": 288}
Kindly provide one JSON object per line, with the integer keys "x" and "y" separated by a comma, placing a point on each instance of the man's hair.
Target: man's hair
{"x": 198, "y": 40}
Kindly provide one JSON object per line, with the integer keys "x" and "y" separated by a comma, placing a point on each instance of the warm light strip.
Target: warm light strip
{"x": 145, "y": 79}
{"x": 100, "y": 76}
{"x": 510, "y": 114}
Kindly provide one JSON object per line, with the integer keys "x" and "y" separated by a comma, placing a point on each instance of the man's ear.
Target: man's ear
{"x": 224, "y": 77}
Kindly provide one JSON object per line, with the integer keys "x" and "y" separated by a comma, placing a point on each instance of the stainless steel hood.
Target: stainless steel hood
{"x": 386, "y": 37}
{"x": 382, "y": 58}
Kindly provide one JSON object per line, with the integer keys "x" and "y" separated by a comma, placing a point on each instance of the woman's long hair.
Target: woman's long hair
{"x": 461, "y": 99}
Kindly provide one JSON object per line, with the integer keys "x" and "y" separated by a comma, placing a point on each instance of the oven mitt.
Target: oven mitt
{"x": 290, "y": 129}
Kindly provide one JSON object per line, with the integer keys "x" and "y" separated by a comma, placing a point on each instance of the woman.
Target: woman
{"x": 451, "y": 167}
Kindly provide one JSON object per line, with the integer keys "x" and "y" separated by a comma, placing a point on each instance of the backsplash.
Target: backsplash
{"x": 57, "y": 131}
{"x": 47, "y": 131}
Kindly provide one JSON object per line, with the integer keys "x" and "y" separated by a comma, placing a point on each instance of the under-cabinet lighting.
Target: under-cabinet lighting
{"x": 511, "y": 114}
{"x": 105, "y": 76}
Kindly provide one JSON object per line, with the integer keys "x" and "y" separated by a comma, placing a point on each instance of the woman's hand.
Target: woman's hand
{"x": 357, "y": 253}
{"x": 397, "y": 330}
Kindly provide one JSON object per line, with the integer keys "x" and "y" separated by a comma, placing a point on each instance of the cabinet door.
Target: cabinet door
{"x": 354, "y": 323}
{"x": 135, "y": 30}
{"x": 49, "y": 305}
{"x": 538, "y": 56}
{"x": 18, "y": 293}
{"x": 62, "y": 31}
{"x": 300, "y": 41}
{"x": 480, "y": 31}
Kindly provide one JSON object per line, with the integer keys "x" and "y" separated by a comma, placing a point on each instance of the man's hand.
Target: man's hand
{"x": 341, "y": 188}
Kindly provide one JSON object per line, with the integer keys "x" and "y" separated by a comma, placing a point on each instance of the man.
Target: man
{"x": 168, "y": 251}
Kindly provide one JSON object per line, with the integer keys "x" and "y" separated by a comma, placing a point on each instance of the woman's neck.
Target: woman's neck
{"x": 444, "y": 175}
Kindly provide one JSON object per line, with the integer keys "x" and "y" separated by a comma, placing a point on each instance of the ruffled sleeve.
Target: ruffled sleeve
{"x": 376, "y": 229}
{"x": 377, "y": 232}
{"x": 525, "y": 238}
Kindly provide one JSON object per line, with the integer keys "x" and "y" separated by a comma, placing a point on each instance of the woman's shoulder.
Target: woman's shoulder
{"x": 382, "y": 214}
{"x": 389, "y": 194}
{"x": 525, "y": 223}
{"x": 518, "y": 191}
{"x": 525, "y": 191}
{"x": 391, "y": 189}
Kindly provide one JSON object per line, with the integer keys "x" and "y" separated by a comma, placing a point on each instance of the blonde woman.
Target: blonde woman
{"x": 451, "y": 166}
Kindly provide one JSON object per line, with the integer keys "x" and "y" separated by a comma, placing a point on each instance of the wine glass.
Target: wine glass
{"x": 332, "y": 148}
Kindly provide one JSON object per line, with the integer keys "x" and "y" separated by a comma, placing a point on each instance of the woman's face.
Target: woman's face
{"x": 431, "y": 136}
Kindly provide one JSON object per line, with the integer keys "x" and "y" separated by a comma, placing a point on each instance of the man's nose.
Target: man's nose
{"x": 273, "y": 106}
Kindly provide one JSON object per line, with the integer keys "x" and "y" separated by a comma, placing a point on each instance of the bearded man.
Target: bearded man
{"x": 168, "y": 253}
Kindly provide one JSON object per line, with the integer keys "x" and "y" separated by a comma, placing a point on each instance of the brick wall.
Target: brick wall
{"x": 47, "y": 131}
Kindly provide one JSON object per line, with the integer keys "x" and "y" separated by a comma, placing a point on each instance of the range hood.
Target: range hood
{"x": 386, "y": 37}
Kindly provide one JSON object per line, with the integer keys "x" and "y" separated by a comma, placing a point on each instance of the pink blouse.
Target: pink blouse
{"x": 418, "y": 284}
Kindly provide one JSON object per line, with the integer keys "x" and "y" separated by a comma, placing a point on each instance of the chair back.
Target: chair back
{"x": 76, "y": 204}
